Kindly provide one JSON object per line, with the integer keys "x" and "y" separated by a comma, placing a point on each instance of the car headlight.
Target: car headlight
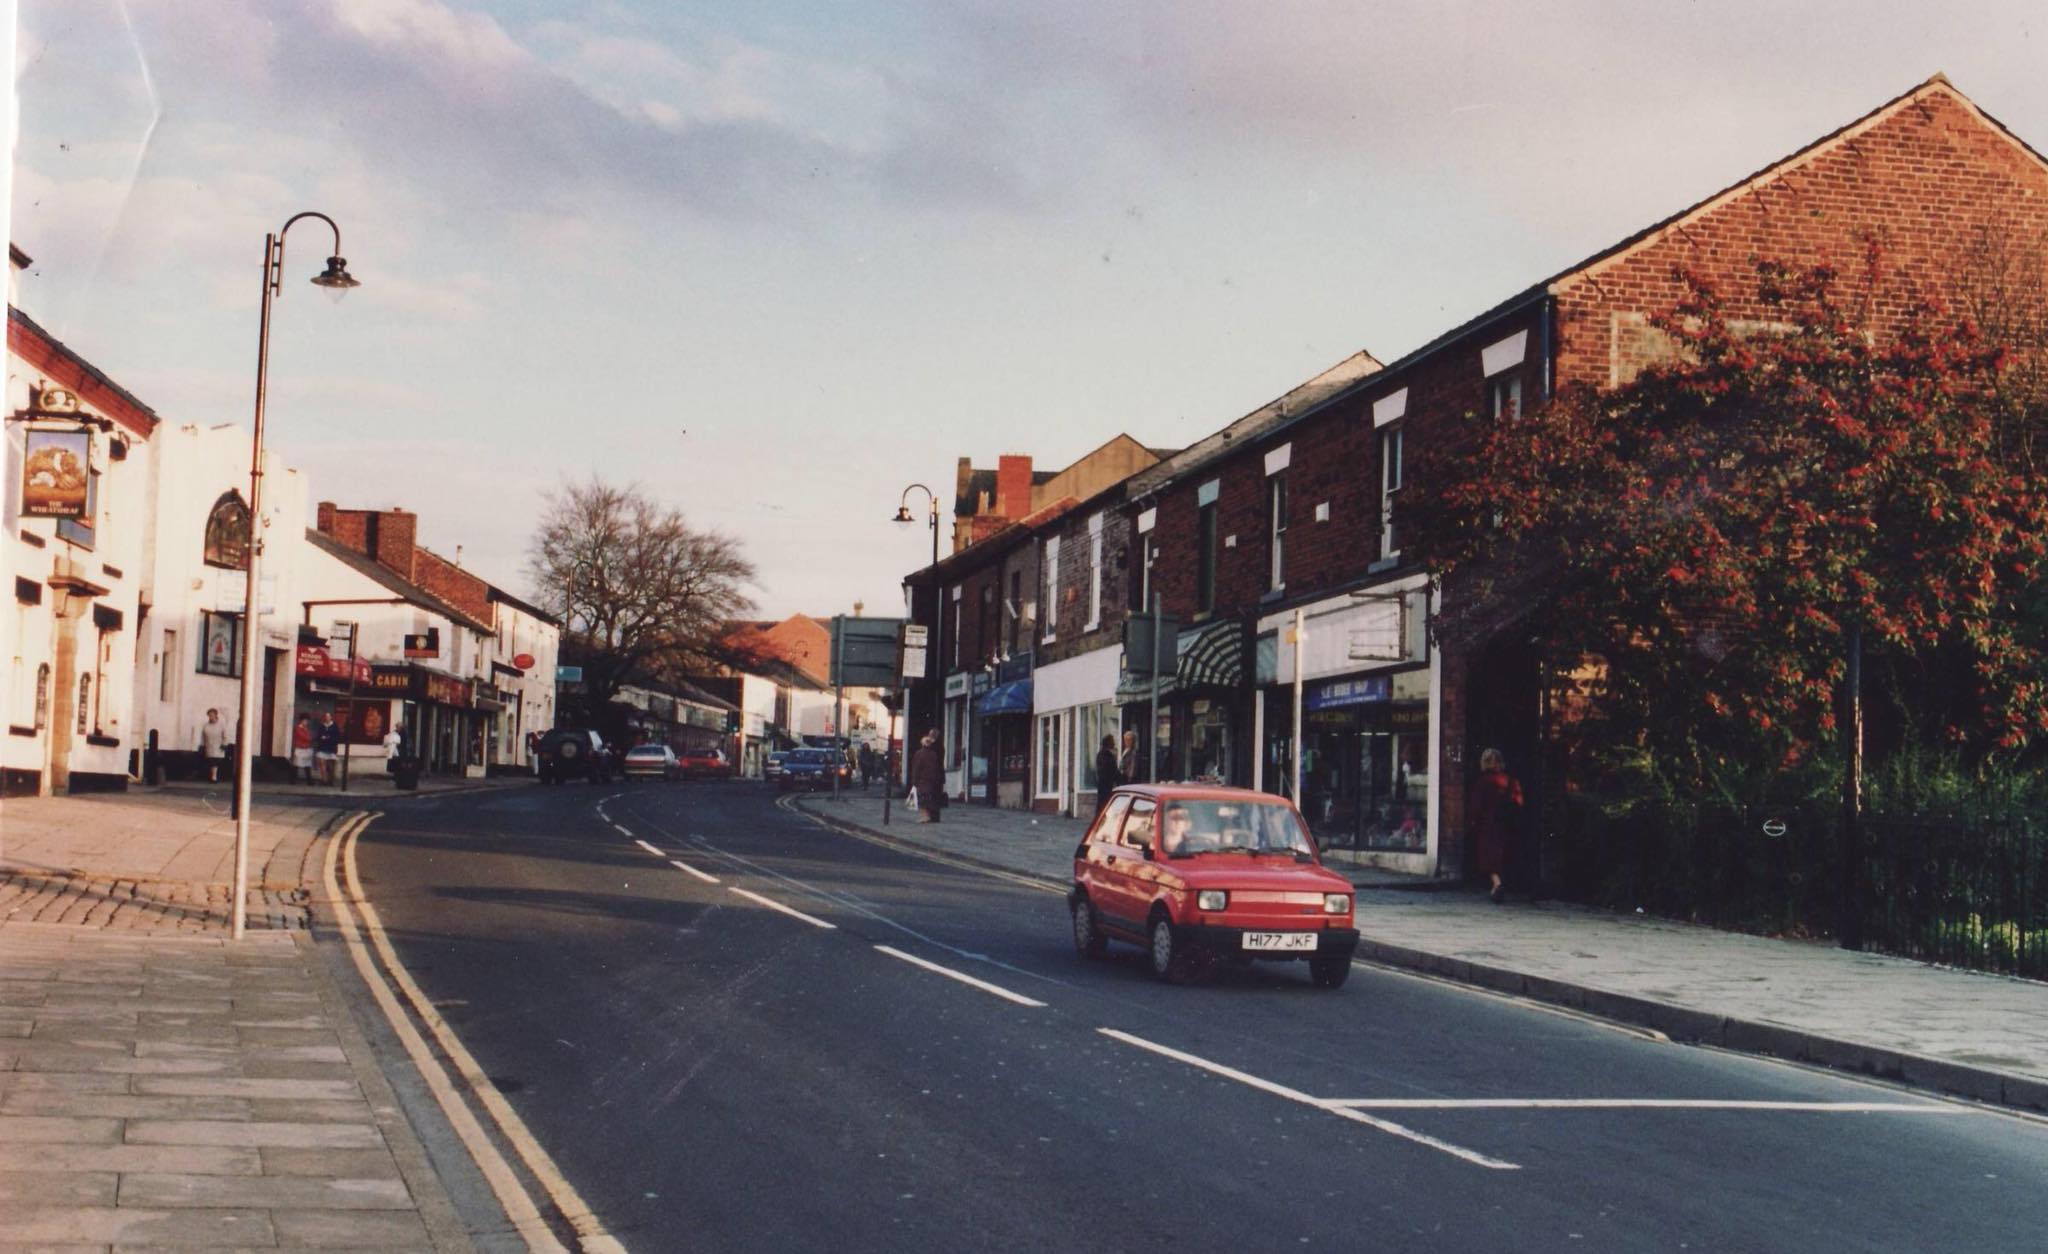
{"x": 1211, "y": 899}
{"x": 1336, "y": 903}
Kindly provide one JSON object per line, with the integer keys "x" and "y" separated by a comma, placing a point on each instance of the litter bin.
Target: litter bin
{"x": 405, "y": 772}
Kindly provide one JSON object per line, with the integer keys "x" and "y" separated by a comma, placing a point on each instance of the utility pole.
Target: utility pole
{"x": 1852, "y": 794}
{"x": 838, "y": 697}
{"x": 1152, "y": 732}
{"x": 348, "y": 718}
{"x": 1294, "y": 773}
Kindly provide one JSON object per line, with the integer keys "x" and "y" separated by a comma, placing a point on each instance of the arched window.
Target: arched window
{"x": 227, "y": 532}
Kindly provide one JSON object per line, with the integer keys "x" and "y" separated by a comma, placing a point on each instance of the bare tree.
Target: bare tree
{"x": 638, "y": 590}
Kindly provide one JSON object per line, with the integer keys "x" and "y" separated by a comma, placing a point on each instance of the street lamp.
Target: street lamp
{"x": 903, "y": 516}
{"x": 337, "y": 280}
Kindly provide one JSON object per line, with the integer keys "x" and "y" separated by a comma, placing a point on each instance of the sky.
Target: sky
{"x": 775, "y": 261}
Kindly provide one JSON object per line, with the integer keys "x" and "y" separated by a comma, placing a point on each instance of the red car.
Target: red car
{"x": 705, "y": 764}
{"x": 1199, "y": 874}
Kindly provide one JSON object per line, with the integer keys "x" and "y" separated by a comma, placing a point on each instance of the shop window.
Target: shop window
{"x": 1049, "y": 728}
{"x": 227, "y": 533}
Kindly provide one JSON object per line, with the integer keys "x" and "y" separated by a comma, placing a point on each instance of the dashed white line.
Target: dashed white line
{"x": 986, "y": 987}
{"x": 1295, "y": 1095}
{"x": 758, "y": 899}
{"x": 684, "y": 866}
{"x": 644, "y": 845}
{"x": 627, "y": 832}
{"x": 1638, "y": 1103}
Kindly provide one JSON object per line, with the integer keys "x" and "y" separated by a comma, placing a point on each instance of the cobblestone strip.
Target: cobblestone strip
{"x": 97, "y": 901}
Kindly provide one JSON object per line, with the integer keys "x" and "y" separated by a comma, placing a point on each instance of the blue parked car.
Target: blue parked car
{"x": 812, "y": 768}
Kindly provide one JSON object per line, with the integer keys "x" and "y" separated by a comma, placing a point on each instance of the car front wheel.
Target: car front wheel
{"x": 1168, "y": 962}
{"x": 1330, "y": 970}
{"x": 1089, "y": 942}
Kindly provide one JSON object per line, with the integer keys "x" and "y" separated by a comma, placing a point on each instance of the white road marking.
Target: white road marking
{"x": 504, "y": 1182}
{"x": 627, "y": 832}
{"x": 1295, "y": 1095}
{"x": 644, "y": 845}
{"x": 969, "y": 980}
{"x": 778, "y": 906}
{"x": 1638, "y": 1103}
{"x": 684, "y": 866}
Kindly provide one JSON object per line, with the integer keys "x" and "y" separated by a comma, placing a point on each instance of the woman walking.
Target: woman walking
{"x": 1493, "y": 812}
{"x": 928, "y": 778}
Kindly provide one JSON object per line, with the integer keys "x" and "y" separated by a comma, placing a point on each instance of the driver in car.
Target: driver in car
{"x": 1178, "y": 834}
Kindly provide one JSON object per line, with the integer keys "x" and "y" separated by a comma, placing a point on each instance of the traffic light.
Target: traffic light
{"x": 732, "y": 720}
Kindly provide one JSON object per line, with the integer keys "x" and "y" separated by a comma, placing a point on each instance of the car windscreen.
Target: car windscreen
{"x": 1225, "y": 826}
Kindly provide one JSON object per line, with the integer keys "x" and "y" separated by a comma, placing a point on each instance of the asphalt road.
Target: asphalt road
{"x": 713, "y": 1073}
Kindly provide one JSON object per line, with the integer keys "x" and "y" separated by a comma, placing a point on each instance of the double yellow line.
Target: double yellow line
{"x": 386, "y": 985}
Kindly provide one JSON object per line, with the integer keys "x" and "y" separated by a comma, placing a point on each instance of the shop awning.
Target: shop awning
{"x": 1011, "y": 698}
{"x": 1209, "y": 656}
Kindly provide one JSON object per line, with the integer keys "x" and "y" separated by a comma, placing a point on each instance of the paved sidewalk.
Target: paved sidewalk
{"x": 1979, "y": 1036}
{"x": 163, "y": 1085}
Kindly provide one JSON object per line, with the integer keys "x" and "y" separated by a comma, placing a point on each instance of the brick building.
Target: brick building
{"x": 1290, "y": 514}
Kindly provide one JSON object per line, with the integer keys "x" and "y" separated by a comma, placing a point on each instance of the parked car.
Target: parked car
{"x": 566, "y": 754}
{"x": 813, "y": 768}
{"x": 705, "y": 763}
{"x": 652, "y": 762}
{"x": 772, "y": 766}
{"x": 1197, "y": 874}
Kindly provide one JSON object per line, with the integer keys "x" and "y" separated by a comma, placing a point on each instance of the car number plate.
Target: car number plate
{"x": 1280, "y": 940}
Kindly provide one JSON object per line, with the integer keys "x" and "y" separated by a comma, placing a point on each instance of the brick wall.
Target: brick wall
{"x": 452, "y": 584}
{"x": 1073, "y": 636}
{"x": 389, "y": 536}
{"x": 1925, "y": 177}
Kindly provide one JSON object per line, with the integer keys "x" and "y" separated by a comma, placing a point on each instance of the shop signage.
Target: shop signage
{"x": 983, "y": 681}
{"x": 443, "y": 689}
{"x": 568, "y": 674}
{"x": 864, "y": 651}
{"x": 523, "y": 661}
{"x": 391, "y": 681}
{"x": 1337, "y": 693}
{"x": 55, "y": 473}
{"x": 317, "y": 663}
{"x": 220, "y": 644}
{"x": 956, "y": 685}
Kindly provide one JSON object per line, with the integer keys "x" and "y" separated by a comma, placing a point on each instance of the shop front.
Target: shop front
{"x": 1004, "y": 712}
{"x": 1368, "y": 728}
{"x": 1074, "y": 706}
{"x": 954, "y": 751}
{"x": 1201, "y": 708}
{"x": 1365, "y": 758}
{"x": 437, "y": 717}
{"x": 347, "y": 689}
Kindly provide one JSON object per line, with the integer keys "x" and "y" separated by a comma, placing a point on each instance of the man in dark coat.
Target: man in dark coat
{"x": 1107, "y": 774}
{"x": 928, "y": 777}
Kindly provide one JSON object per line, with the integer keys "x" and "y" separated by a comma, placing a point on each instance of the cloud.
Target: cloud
{"x": 447, "y": 98}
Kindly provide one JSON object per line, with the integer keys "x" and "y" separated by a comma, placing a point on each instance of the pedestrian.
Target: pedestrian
{"x": 1493, "y": 812}
{"x": 1107, "y": 773}
{"x": 213, "y": 745}
{"x": 867, "y": 764}
{"x": 928, "y": 778}
{"x": 394, "y": 747}
{"x": 327, "y": 746}
{"x": 1127, "y": 765}
{"x": 302, "y": 749}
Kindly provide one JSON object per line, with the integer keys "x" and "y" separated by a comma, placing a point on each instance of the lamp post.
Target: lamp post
{"x": 938, "y": 610}
{"x": 335, "y": 278}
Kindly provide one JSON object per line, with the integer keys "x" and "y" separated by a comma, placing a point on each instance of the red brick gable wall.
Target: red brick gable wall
{"x": 453, "y": 584}
{"x": 1925, "y": 177}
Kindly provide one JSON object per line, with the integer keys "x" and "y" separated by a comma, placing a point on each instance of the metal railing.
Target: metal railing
{"x": 1969, "y": 889}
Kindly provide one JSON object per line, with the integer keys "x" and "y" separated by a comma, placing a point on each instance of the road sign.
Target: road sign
{"x": 568, "y": 674}
{"x": 864, "y": 651}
